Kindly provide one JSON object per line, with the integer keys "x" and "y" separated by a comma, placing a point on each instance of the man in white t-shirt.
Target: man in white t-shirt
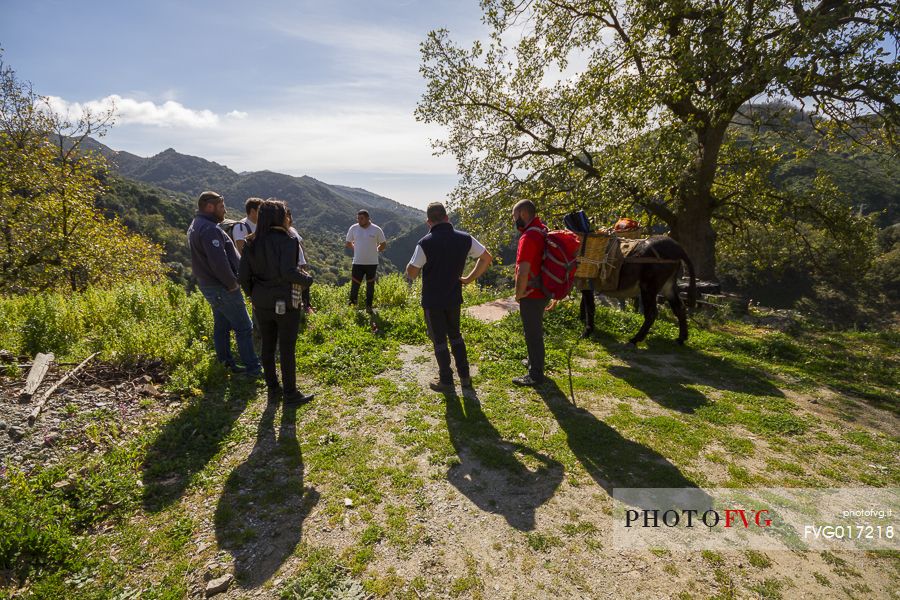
{"x": 366, "y": 239}
{"x": 247, "y": 225}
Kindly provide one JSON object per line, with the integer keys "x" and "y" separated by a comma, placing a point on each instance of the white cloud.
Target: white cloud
{"x": 129, "y": 111}
{"x": 236, "y": 114}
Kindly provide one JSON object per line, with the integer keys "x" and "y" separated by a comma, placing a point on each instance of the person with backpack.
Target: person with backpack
{"x": 532, "y": 300}
{"x": 243, "y": 228}
{"x": 302, "y": 265}
{"x": 214, "y": 262}
{"x": 268, "y": 272}
{"x": 441, "y": 257}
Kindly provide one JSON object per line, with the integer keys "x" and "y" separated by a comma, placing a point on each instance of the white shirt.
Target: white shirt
{"x": 365, "y": 243}
{"x": 243, "y": 228}
{"x": 418, "y": 258}
{"x": 301, "y": 259}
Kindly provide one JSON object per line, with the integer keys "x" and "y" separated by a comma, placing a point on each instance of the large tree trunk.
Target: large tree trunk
{"x": 693, "y": 222}
{"x": 693, "y": 230}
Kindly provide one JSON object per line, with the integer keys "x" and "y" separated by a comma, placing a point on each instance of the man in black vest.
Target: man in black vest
{"x": 441, "y": 257}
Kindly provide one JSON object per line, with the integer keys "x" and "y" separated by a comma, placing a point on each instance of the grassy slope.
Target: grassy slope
{"x": 381, "y": 486}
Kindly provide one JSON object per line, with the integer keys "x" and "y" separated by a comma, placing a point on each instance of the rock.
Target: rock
{"x": 51, "y": 439}
{"x": 218, "y": 585}
{"x": 2, "y": 425}
{"x": 348, "y": 502}
{"x": 148, "y": 389}
{"x": 64, "y": 485}
{"x": 15, "y": 433}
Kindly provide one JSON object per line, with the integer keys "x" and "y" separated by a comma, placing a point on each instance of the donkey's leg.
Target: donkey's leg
{"x": 648, "y": 299}
{"x": 588, "y": 309}
{"x": 582, "y": 308}
{"x": 680, "y": 312}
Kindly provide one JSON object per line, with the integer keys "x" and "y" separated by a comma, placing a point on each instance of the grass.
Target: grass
{"x": 226, "y": 470}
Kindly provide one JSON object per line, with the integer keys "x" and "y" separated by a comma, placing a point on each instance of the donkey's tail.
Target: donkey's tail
{"x": 692, "y": 287}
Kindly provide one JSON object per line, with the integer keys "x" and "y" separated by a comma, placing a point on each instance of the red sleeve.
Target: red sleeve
{"x": 531, "y": 249}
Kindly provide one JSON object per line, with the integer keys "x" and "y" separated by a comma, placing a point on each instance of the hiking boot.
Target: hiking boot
{"x": 526, "y": 380}
{"x": 438, "y": 386}
{"x": 465, "y": 382}
{"x": 297, "y": 398}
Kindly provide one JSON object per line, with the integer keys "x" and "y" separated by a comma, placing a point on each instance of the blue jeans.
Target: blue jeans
{"x": 230, "y": 313}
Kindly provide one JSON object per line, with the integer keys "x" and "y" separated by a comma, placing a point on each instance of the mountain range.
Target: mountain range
{"x": 322, "y": 212}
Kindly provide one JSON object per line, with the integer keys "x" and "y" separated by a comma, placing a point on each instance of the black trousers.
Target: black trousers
{"x": 356, "y": 276}
{"x": 443, "y": 324}
{"x": 280, "y": 330}
{"x": 531, "y": 310}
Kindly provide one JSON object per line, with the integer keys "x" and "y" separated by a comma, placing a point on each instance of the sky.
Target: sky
{"x": 319, "y": 88}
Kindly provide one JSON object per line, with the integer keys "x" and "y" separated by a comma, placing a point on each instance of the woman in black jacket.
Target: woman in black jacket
{"x": 267, "y": 272}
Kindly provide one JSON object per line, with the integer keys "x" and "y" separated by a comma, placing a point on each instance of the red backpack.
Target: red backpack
{"x": 558, "y": 264}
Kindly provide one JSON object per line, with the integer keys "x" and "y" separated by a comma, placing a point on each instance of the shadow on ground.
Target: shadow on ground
{"x": 188, "y": 441}
{"x": 667, "y": 379}
{"x": 612, "y": 460}
{"x": 490, "y": 473}
{"x": 260, "y": 514}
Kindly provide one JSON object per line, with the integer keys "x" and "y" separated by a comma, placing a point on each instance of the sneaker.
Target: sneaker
{"x": 526, "y": 380}
{"x": 465, "y": 382}
{"x": 297, "y": 398}
{"x": 438, "y": 386}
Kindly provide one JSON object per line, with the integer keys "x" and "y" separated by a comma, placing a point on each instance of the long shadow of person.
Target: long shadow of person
{"x": 489, "y": 472}
{"x": 260, "y": 514}
{"x": 614, "y": 461}
{"x": 188, "y": 441}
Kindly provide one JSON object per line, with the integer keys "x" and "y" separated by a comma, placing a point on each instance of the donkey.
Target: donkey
{"x": 649, "y": 270}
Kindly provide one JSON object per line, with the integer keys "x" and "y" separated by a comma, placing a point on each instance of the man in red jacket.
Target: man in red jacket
{"x": 532, "y": 302}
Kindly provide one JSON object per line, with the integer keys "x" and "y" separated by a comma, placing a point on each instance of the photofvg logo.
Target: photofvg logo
{"x": 733, "y": 517}
{"x": 761, "y": 518}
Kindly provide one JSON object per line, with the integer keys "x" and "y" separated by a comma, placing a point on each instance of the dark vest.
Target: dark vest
{"x": 445, "y": 250}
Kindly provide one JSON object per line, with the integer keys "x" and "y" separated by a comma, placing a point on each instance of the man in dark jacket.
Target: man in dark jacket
{"x": 215, "y": 265}
{"x": 441, "y": 257}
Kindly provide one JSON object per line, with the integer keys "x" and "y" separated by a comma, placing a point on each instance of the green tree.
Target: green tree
{"x": 626, "y": 105}
{"x": 51, "y": 234}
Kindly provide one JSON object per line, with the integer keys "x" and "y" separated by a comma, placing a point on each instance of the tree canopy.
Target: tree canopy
{"x": 51, "y": 234}
{"x": 630, "y": 107}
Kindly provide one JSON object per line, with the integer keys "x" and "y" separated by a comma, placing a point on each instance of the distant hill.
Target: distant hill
{"x": 316, "y": 204}
{"x": 140, "y": 188}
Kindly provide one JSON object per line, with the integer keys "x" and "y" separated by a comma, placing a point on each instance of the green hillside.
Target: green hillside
{"x": 156, "y": 197}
